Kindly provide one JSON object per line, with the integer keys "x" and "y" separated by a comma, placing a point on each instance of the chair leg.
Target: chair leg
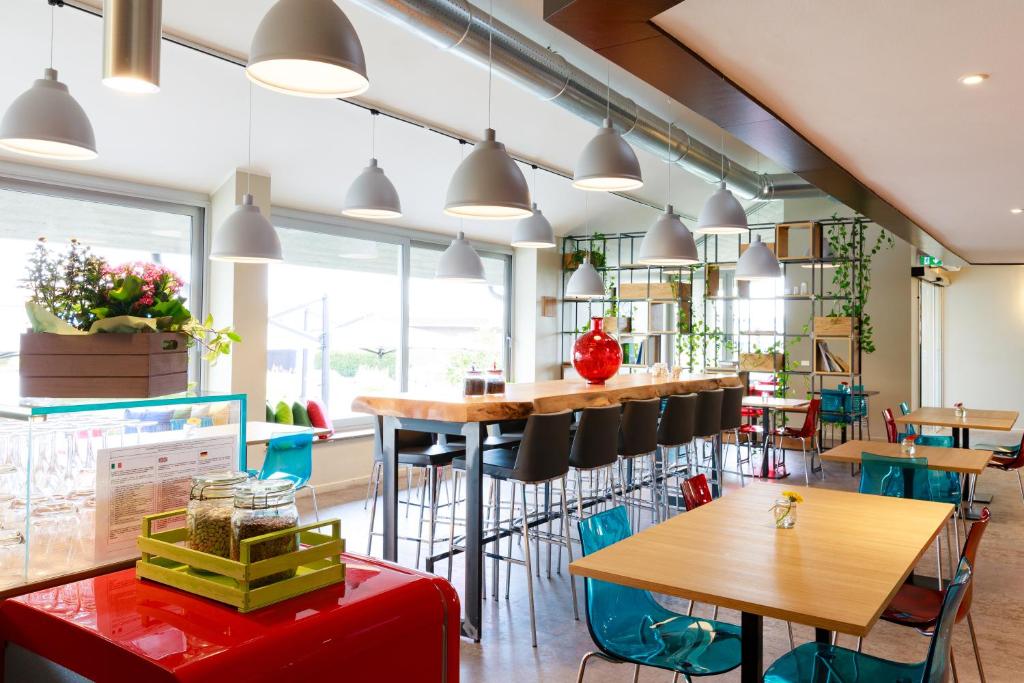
{"x": 435, "y": 489}
{"x": 568, "y": 547}
{"x": 511, "y": 527}
{"x": 807, "y": 467}
{"x": 817, "y": 449}
{"x": 373, "y": 507}
{"x": 451, "y": 522}
{"x": 369, "y": 484}
{"x": 1021, "y": 484}
{"x": 583, "y": 665}
{"x": 636, "y": 673}
{"x": 528, "y": 565}
{"x": 974, "y": 642}
{"x": 419, "y": 526}
{"x": 316, "y": 508}
{"x": 496, "y": 563}
{"x": 952, "y": 664}
{"x": 792, "y": 641}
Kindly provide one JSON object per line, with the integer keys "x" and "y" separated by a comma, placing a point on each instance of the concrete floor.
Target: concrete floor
{"x": 506, "y": 654}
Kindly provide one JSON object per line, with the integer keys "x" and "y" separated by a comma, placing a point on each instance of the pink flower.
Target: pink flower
{"x": 146, "y": 300}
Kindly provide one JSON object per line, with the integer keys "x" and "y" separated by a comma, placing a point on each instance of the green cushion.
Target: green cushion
{"x": 283, "y": 414}
{"x": 300, "y": 416}
{"x": 270, "y": 414}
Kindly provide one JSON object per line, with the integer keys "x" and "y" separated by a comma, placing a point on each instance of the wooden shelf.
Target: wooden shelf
{"x": 783, "y": 231}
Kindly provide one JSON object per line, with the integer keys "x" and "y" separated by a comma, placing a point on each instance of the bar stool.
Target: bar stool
{"x": 417, "y": 451}
{"x": 675, "y": 434}
{"x": 709, "y": 430}
{"x": 732, "y": 421}
{"x": 595, "y": 451}
{"x": 638, "y": 442}
{"x": 541, "y": 458}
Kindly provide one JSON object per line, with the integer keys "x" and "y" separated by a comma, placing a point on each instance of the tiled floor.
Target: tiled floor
{"x": 506, "y": 655}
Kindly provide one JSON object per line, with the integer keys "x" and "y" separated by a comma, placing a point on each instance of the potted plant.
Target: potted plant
{"x": 102, "y": 330}
{"x": 573, "y": 259}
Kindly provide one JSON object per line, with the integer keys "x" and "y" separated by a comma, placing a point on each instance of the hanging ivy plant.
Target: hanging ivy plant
{"x": 851, "y": 277}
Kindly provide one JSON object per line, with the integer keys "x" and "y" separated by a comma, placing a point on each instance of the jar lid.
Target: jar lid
{"x": 216, "y": 485}
{"x": 260, "y": 494}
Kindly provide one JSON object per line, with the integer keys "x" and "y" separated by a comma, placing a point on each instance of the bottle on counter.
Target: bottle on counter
{"x": 495, "y": 382}
{"x": 262, "y": 507}
{"x": 474, "y": 383}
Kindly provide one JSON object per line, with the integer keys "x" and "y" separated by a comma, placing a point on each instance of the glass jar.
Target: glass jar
{"x": 12, "y": 557}
{"x": 907, "y": 446}
{"x": 495, "y": 385}
{"x": 211, "y": 500}
{"x": 262, "y": 507}
{"x": 784, "y": 512}
{"x": 474, "y": 384}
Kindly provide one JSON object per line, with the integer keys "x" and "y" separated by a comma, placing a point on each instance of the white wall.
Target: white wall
{"x": 535, "y": 338}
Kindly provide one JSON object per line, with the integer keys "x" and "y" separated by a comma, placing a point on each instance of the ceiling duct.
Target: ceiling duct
{"x": 460, "y": 27}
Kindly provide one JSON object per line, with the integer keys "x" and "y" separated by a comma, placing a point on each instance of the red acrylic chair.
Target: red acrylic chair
{"x": 891, "y": 430}
{"x": 919, "y": 606}
{"x": 808, "y": 436}
{"x": 696, "y": 491}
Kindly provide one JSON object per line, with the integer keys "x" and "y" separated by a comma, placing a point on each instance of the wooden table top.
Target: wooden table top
{"x": 774, "y": 402}
{"x": 262, "y": 432}
{"x": 837, "y": 569}
{"x": 965, "y": 460}
{"x": 996, "y": 420}
{"x": 520, "y": 400}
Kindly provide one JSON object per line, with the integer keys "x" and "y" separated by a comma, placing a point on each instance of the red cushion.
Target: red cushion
{"x": 318, "y": 417}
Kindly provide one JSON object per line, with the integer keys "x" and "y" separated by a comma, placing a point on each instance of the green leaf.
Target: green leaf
{"x": 234, "y": 336}
{"x": 129, "y": 290}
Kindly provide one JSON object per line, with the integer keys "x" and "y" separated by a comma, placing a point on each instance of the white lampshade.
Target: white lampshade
{"x": 585, "y": 283}
{"x": 668, "y": 242}
{"x": 533, "y": 232}
{"x": 460, "y": 262}
{"x": 722, "y": 214}
{"x": 246, "y": 236}
{"x": 607, "y": 163}
{"x": 308, "y": 48}
{"x": 46, "y": 121}
{"x": 758, "y": 262}
{"x": 371, "y": 195}
{"x": 488, "y": 184}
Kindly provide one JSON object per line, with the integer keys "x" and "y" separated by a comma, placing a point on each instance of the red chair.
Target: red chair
{"x": 919, "y": 606}
{"x": 1012, "y": 462}
{"x": 891, "y": 430}
{"x": 807, "y": 434}
{"x": 695, "y": 491}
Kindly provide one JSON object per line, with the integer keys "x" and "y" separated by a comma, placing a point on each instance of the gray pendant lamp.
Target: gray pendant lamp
{"x": 607, "y": 163}
{"x": 488, "y": 183}
{"x": 758, "y": 262}
{"x": 460, "y": 262}
{"x": 371, "y": 194}
{"x": 308, "y": 48}
{"x": 586, "y": 282}
{"x": 46, "y": 121}
{"x": 722, "y": 213}
{"x": 131, "y": 45}
{"x": 534, "y": 232}
{"x": 668, "y": 242}
{"x": 246, "y": 236}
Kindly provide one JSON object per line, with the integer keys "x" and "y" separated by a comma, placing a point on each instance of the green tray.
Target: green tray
{"x": 317, "y": 564}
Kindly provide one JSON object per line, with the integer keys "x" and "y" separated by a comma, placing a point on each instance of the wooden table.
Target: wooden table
{"x": 469, "y": 416}
{"x": 769, "y": 405}
{"x": 836, "y": 570}
{"x": 262, "y": 432}
{"x": 963, "y": 460}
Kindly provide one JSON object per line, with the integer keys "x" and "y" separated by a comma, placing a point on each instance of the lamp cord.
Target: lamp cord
{"x": 52, "y": 12}
{"x": 608, "y": 91}
{"x": 668, "y": 160}
{"x": 373, "y": 133}
{"x": 248, "y": 170}
{"x": 490, "y": 57}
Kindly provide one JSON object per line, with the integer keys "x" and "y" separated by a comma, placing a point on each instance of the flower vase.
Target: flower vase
{"x": 784, "y": 512}
{"x": 596, "y": 355}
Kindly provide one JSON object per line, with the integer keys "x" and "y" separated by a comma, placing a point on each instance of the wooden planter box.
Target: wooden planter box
{"x": 661, "y": 291}
{"x": 138, "y": 365}
{"x": 839, "y": 326}
{"x": 761, "y": 362}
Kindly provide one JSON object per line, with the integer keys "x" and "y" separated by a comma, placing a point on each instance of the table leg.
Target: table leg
{"x": 956, "y": 437}
{"x": 387, "y": 428}
{"x": 967, "y": 438}
{"x": 751, "y": 648}
{"x": 474, "y": 529}
{"x": 766, "y": 425}
{"x": 716, "y": 465}
{"x": 822, "y": 636}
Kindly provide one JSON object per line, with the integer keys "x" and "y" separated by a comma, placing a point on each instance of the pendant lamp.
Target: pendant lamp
{"x": 371, "y": 194}
{"x": 722, "y": 213}
{"x": 460, "y": 262}
{"x": 586, "y": 282}
{"x": 534, "y": 232}
{"x": 131, "y": 45}
{"x": 668, "y": 242}
{"x": 46, "y": 121}
{"x": 307, "y": 48}
{"x": 488, "y": 183}
{"x": 246, "y": 236}
{"x": 758, "y": 262}
{"x": 607, "y": 163}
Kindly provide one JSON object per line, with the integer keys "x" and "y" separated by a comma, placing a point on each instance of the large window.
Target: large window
{"x": 118, "y": 229}
{"x": 372, "y": 307}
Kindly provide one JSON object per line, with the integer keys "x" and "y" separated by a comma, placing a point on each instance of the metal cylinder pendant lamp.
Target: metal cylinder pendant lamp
{"x": 308, "y": 48}
{"x": 722, "y": 214}
{"x": 246, "y": 236}
{"x": 668, "y": 242}
{"x": 758, "y": 262}
{"x": 131, "y": 45}
{"x": 460, "y": 262}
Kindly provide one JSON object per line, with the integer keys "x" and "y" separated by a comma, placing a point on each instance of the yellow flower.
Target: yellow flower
{"x": 793, "y": 496}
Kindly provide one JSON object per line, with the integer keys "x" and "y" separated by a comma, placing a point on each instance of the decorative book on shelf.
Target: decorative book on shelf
{"x": 835, "y": 356}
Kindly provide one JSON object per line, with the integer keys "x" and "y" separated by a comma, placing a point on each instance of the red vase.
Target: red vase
{"x": 596, "y": 355}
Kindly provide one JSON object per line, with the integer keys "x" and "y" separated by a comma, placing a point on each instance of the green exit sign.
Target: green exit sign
{"x": 930, "y": 261}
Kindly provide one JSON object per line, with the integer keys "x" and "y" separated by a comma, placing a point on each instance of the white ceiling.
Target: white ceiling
{"x": 193, "y": 133}
{"x": 874, "y": 85}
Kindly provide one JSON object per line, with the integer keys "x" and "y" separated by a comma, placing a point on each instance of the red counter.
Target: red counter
{"x": 386, "y": 623}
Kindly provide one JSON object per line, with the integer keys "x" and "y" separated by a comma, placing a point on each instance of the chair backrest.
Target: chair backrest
{"x": 905, "y": 410}
{"x": 836, "y": 405}
{"x": 289, "y": 457}
{"x": 732, "y": 408}
{"x": 811, "y": 418}
{"x": 404, "y": 438}
{"x": 543, "y": 453}
{"x": 511, "y": 426}
{"x": 894, "y": 477}
{"x": 709, "y": 412}
{"x": 891, "y": 431}
{"x": 678, "y": 420}
{"x": 596, "y": 441}
{"x": 695, "y": 491}
{"x": 970, "y": 554}
{"x": 638, "y": 431}
{"x": 1018, "y": 460}
{"x": 937, "y": 665}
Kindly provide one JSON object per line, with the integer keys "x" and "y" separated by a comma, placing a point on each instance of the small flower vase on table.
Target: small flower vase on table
{"x": 907, "y": 446}
{"x": 959, "y": 410}
{"x": 784, "y": 509}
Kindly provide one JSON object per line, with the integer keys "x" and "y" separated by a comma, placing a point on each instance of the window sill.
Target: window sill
{"x": 346, "y": 435}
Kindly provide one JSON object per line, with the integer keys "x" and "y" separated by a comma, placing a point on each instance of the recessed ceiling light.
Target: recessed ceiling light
{"x": 1016, "y": 210}
{"x": 973, "y": 79}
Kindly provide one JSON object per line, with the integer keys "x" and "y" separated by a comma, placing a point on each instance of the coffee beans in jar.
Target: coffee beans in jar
{"x": 263, "y": 507}
{"x": 208, "y": 515}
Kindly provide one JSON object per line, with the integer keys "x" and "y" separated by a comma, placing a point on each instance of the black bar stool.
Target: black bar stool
{"x": 638, "y": 442}
{"x": 595, "y": 451}
{"x": 732, "y": 420}
{"x": 675, "y": 436}
{"x": 709, "y": 430}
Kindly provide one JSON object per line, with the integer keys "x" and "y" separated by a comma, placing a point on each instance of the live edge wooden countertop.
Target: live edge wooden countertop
{"x": 520, "y": 400}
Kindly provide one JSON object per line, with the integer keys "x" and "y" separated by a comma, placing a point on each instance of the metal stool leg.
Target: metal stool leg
{"x": 568, "y": 549}
{"x": 527, "y": 563}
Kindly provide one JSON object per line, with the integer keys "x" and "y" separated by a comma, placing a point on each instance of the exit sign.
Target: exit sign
{"x": 929, "y": 261}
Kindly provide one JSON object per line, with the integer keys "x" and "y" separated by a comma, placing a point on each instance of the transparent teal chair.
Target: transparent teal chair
{"x": 881, "y": 475}
{"x": 819, "y": 662}
{"x": 628, "y": 626}
{"x": 924, "y": 440}
{"x": 291, "y": 457}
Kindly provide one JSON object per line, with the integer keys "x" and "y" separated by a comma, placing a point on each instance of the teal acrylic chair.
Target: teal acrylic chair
{"x": 291, "y": 457}
{"x": 819, "y": 662}
{"x": 629, "y": 627}
{"x": 924, "y": 440}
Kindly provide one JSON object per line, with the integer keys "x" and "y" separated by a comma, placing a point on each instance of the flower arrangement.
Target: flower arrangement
{"x": 80, "y": 292}
{"x": 959, "y": 410}
{"x": 784, "y": 509}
